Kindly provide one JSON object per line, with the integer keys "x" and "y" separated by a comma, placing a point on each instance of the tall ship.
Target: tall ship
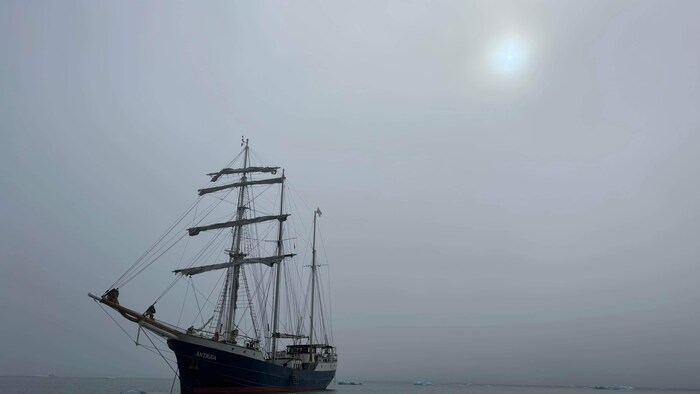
{"x": 258, "y": 321}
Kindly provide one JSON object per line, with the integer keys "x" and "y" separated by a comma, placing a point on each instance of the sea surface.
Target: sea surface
{"x": 63, "y": 385}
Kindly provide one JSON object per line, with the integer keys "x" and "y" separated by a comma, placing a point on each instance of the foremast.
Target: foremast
{"x": 235, "y": 254}
{"x": 226, "y": 324}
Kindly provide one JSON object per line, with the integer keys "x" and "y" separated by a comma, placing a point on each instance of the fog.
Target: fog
{"x": 510, "y": 188}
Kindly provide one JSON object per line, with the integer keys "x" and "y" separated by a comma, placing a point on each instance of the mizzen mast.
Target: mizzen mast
{"x": 317, "y": 213}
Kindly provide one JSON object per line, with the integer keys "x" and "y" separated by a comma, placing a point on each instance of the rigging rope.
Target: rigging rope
{"x": 141, "y": 260}
{"x": 127, "y": 334}
{"x": 198, "y": 307}
{"x": 187, "y": 291}
{"x": 148, "y": 251}
{"x": 328, "y": 282}
{"x": 161, "y": 354}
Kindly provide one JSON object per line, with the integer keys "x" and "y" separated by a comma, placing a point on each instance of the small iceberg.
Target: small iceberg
{"x": 350, "y": 382}
{"x": 422, "y": 383}
{"x": 613, "y": 388}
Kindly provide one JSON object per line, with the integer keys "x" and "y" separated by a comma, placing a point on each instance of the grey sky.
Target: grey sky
{"x": 531, "y": 226}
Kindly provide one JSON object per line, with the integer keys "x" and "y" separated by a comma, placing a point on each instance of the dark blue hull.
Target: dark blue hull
{"x": 224, "y": 372}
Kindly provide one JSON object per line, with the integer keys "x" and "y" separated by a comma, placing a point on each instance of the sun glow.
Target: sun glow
{"x": 509, "y": 57}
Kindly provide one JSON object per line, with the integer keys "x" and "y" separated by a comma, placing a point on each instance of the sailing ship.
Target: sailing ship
{"x": 237, "y": 350}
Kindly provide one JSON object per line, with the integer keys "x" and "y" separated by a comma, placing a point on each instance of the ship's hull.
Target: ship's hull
{"x": 218, "y": 368}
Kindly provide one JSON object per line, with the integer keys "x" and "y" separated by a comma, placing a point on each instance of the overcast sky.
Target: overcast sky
{"x": 510, "y": 189}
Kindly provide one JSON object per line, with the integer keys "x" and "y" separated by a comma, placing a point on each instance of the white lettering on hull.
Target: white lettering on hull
{"x": 206, "y": 355}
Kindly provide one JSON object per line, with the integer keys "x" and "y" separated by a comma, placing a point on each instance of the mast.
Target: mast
{"x": 280, "y": 252}
{"x": 313, "y": 279}
{"x": 235, "y": 271}
{"x": 226, "y": 324}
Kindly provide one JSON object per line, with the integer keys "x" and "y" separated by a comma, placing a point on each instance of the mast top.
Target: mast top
{"x": 244, "y": 141}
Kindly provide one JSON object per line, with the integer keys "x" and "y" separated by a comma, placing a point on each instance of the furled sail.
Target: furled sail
{"x": 216, "y": 175}
{"x": 290, "y": 336}
{"x": 234, "y": 223}
{"x": 238, "y": 184}
{"x": 269, "y": 261}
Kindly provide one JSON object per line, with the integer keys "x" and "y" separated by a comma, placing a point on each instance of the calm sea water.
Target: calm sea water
{"x": 60, "y": 385}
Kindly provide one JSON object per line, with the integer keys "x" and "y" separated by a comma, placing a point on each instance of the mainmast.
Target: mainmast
{"x": 313, "y": 278}
{"x": 280, "y": 252}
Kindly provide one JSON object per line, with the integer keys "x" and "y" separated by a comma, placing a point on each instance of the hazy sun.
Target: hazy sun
{"x": 509, "y": 57}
